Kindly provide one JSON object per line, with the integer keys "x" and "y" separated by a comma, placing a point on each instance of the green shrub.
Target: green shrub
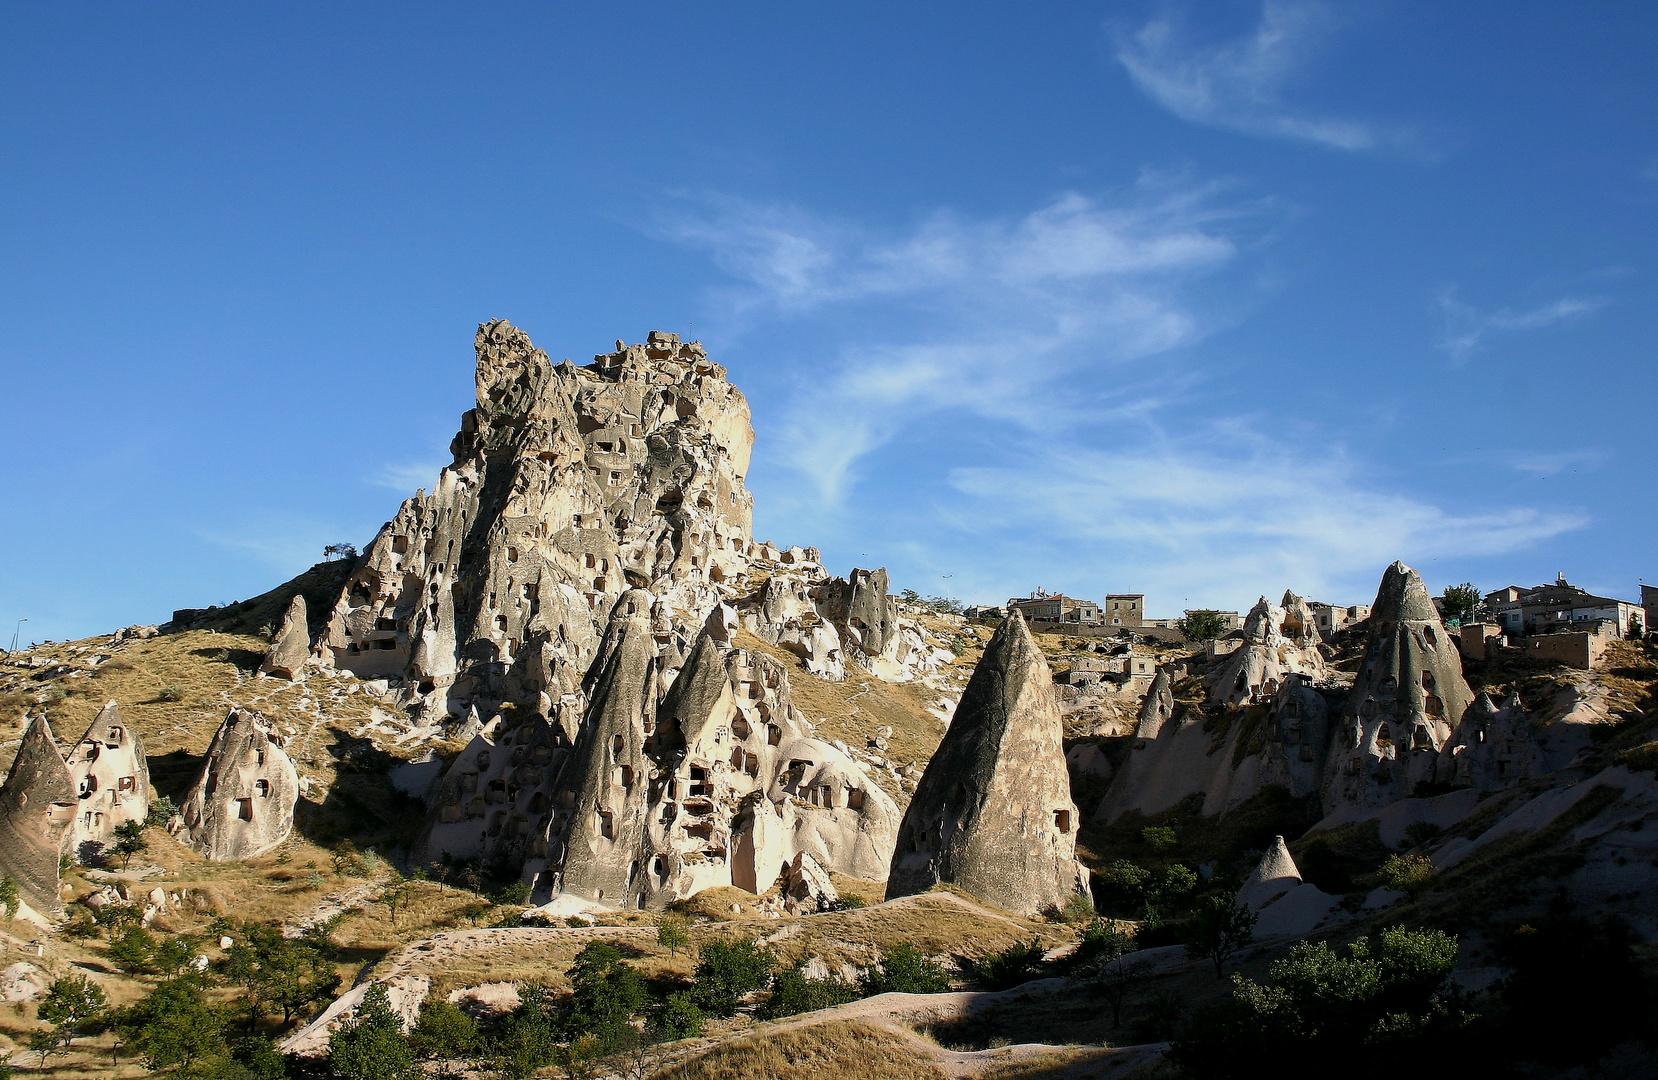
{"x": 905, "y": 969}
{"x": 371, "y": 1046}
{"x": 169, "y": 692}
{"x": 793, "y": 991}
{"x": 1015, "y": 964}
{"x": 444, "y": 1032}
{"x": 677, "y": 1017}
{"x": 728, "y": 970}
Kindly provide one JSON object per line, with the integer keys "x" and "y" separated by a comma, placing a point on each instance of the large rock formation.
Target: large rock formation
{"x": 1407, "y": 697}
{"x": 993, "y": 812}
{"x": 110, "y": 776}
{"x": 242, "y": 805}
{"x": 37, "y": 817}
{"x": 1492, "y": 748}
{"x": 1277, "y": 642}
{"x": 718, "y": 783}
{"x": 291, "y": 646}
{"x": 569, "y": 486}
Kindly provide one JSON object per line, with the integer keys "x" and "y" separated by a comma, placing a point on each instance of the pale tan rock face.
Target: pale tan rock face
{"x": 569, "y": 486}
{"x": 111, "y": 778}
{"x": 993, "y": 812}
{"x": 292, "y": 644}
{"x": 242, "y": 804}
{"x": 1278, "y": 642}
{"x": 37, "y": 818}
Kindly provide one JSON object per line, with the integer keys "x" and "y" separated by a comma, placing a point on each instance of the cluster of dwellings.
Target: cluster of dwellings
{"x": 1557, "y": 621}
{"x": 1544, "y": 609}
{"x": 1127, "y": 611}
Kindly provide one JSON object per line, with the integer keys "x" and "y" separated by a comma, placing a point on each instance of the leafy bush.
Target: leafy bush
{"x": 1218, "y": 929}
{"x": 676, "y": 1017}
{"x": 1378, "y": 1010}
{"x": 905, "y": 969}
{"x": 1422, "y": 832}
{"x": 729, "y": 969}
{"x": 1078, "y": 909}
{"x": 1019, "y": 962}
{"x": 1408, "y": 873}
{"x": 161, "y": 811}
{"x": 175, "y": 1026}
{"x": 606, "y": 992}
{"x": 169, "y": 692}
{"x": 444, "y": 1032}
{"x": 673, "y": 933}
{"x": 793, "y": 991}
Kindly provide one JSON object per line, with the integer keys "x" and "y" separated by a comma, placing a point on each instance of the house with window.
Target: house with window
{"x": 1543, "y": 609}
{"x": 1057, "y": 610}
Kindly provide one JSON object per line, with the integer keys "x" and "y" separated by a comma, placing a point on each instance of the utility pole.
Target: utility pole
{"x": 947, "y": 578}
{"x": 16, "y": 632}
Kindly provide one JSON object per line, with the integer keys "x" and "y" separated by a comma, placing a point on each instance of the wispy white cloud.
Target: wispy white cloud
{"x": 983, "y": 345}
{"x": 1011, "y": 308}
{"x": 1229, "y": 512}
{"x": 1239, "y": 84}
{"x": 1465, "y": 327}
{"x": 285, "y": 543}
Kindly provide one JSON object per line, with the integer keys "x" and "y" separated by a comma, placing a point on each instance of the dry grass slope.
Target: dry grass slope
{"x": 834, "y": 1050}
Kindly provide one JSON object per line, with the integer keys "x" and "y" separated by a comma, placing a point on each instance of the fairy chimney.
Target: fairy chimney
{"x": 242, "y": 805}
{"x": 993, "y": 812}
{"x": 37, "y": 815}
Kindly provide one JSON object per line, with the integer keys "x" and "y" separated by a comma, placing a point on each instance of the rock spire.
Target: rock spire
{"x": 37, "y": 816}
{"x": 1407, "y": 697}
{"x": 291, "y": 646}
{"x": 111, "y": 777}
{"x": 993, "y": 812}
{"x": 242, "y": 804}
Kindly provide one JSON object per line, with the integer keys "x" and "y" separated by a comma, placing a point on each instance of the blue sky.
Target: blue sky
{"x": 1199, "y": 300}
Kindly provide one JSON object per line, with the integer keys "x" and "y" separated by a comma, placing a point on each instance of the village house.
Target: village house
{"x": 1333, "y": 618}
{"x": 1545, "y": 608}
{"x": 1042, "y": 611}
{"x": 1125, "y": 609}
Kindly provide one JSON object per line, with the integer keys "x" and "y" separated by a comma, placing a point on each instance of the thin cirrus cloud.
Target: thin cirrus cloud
{"x": 1240, "y": 84}
{"x": 999, "y": 311}
{"x": 981, "y": 343}
{"x": 1229, "y": 514}
{"x": 1464, "y": 327}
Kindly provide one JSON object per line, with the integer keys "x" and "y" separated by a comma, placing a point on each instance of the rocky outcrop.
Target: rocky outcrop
{"x": 1492, "y": 748}
{"x": 993, "y": 812}
{"x": 1407, "y": 697}
{"x": 1269, "y": 654}
{"x": 604, "y": 801}
{"x": 37, "y": 818}
{"x": 1275, "y": 875}
{"x": 110, "y": 776}
{"x": 569, "y": 486}
{"x": 291, "y": 646}
{"x": 242, "y": 804}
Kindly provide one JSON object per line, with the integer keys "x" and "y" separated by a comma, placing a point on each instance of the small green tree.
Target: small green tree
{"x": 70, "y": 1004}
{"x": 1218, "y": 929}
{"x": 396, "y": 894}
{"x": 1411, "y": 874}
{"x": 161, "y": 811}
{"x": 905, "y": 969}
{"x": 605, "y": 993}
{"x": 677, "y": 1017}
{"x": 175, "y": 1026}
{"x": 371, "y": 1046}
{"x": 1102, "y": 955}
{"x": 134, "y": 950}
{"x": 673, "y": 933}
{"x": 1202, "y": 625}
{"x": 1160, "y": 838}
{"x": 729, "y": 969}
{"x": 444, "y": 1032}
{"x": 1460, "y": 601}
